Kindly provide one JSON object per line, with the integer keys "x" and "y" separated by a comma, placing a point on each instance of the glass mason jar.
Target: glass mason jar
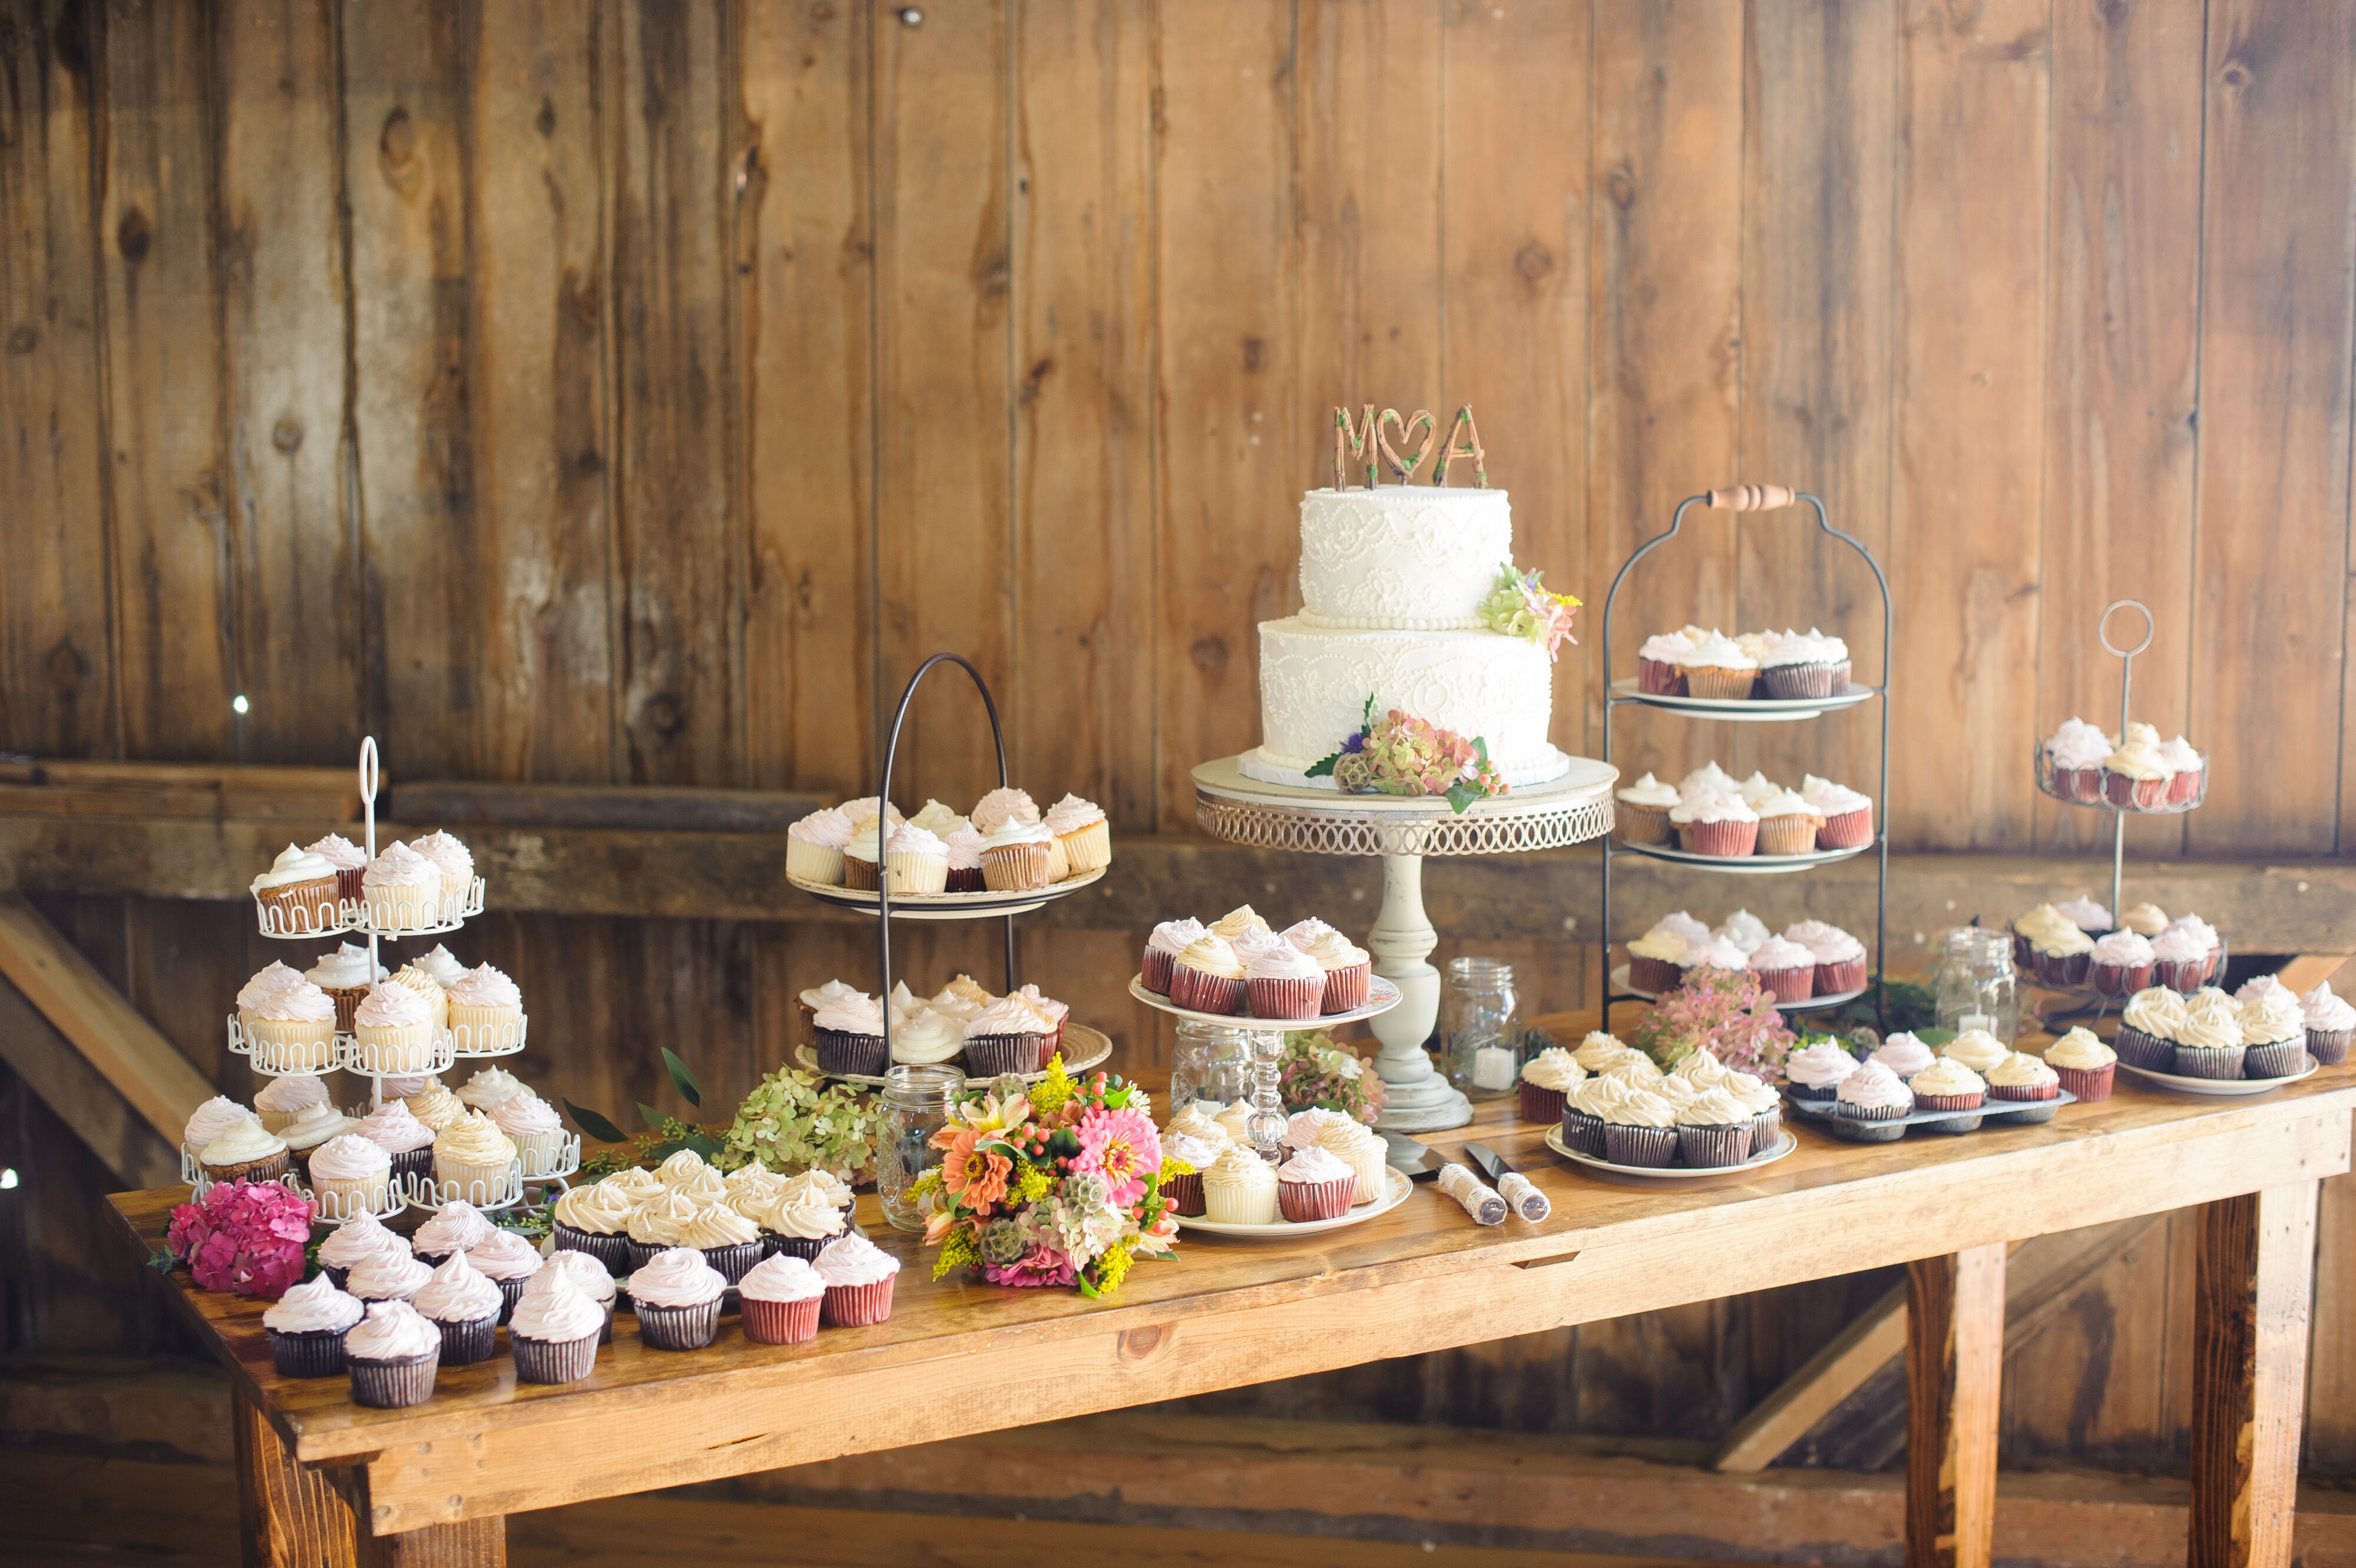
{"x": 1211, "y": 1061}
{"x": 1978, "y": 987}
{"x": 915, "y": 1106}
{"x": 1481, "y": 1027}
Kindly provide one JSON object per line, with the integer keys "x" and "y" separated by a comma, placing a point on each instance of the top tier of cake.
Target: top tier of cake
{"x": 1401, "y": 557}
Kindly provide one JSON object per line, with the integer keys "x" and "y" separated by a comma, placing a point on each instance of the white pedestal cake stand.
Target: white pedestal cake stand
{"x": 1566, "y": 811}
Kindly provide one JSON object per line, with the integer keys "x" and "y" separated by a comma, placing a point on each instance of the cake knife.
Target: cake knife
{"x": 1515, "y": 1187}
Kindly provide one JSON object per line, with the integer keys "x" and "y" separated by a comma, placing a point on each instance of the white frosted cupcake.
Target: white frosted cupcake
{"x": 422, "y": 981}
{"x": 485, "y": 1009}
{"x": 280, "y": 1101}
{"x": 915, "y": 861}
{"x": 1079, "y": 826}
{"x": 814, "y": 846}
{"x": 554, "y": 1331}
{"x": 487, "y": 1088}
{"x": 471, "y": 1158}
{"x": 395, "y": 1028}
{"x": 290, "y": 1024}
{"x": 456, "y": 862}
{"x": 403, "y": 890}
{"x": 1362, "y": 1149}
{"x": 531, "y": 1124}
{"x": 211, "y": 1119}
{"x": 1240, "y": 1189}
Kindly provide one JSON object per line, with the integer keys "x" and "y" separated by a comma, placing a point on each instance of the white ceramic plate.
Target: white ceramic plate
{"x": 2221, "y": 1088}
{"x": 1381, "y": 997}
{"x": 1092, "y": 1044}
{"x": 1784, "y": 1145}
{"x": 1747, "y": 710}
{"x": 949, "y": 906}
{"x": 1620, "y": 984}
{"x": 1360, "y": 1213}
{"x": 1742, "y": 864}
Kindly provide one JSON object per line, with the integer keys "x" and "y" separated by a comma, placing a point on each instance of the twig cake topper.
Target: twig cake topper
{"x": 1359, "y": 443}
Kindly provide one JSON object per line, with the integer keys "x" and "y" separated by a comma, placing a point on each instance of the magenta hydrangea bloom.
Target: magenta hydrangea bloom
{"x": 243, "y": 1237}
{"x": 1042, "y": 1265}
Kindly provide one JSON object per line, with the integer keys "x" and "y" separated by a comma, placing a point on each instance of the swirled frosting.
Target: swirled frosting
{"x": 387, "y": 1276}
{"x": 2128, "y": 949}
{"x": 853, "y": 1261}
{"x": 585, "y": 1272}
{"x": 1316, "y": 1163}
{"x": 452, "y": 1228}
{"x": 1873, "y": 1087}
{"x": 1947, "y": 1077}
{"x": 211, "y": 1119}
{"x": 2085, "y": 913}
{"x": 293, "y": 866}
{"x": 1831, "y": 800}
{"x": 1639, "y": 1108}
{"x": 827, "y": 828}
{"x": 1175, "y": 937}
{"x": 2020, "y": 1070}
{"x": 401, "y": 866}
{"x": 558, "y": 1312}
{"x": 656, "y": 1221}
{"x": 435, "y": 1106}
{"x": 489, "y": 1086}
{"x": 2213, "y": 1021}
{"x": 2272, "y": 1016}
{"x": 390, "y": 1006}
{"x": 314, "y": 1124}
{"x": 486, "y": 987}
{"x": 1902, "y": 1054}
{"x": 345, "y": 1157}
{"x": 361, "y": 1236}
{"x": 339, "y": 852}
{"x": 455, "y": 858}
{"x": 1554, "y": 1068}
{"x": 716, "y": 1225}
{"x": 2324, "y": 1013}
{"x": 313, "y": 1306}
{"x": 2156, "y": 1011}
{"x": 852, "y": 1015}
{"x": 2144, "y": 920}
{"x": 458, "y": 1293}
{"x": 1599, "y": 1050}
{"x": 1302, "y": 1129}
{"x": 804, "y": 1210}
{"x": 1977, "y": 1050}
{"x": 597, "y": 1210}
{"x": 1000, "y": 807}
{"x": 2080, "y": 1049}
{"x": 1333, "y": 951}
{"x": 296, "y": 1093}
{"x": 1242, "y": 917}
{"x": 443, "y": 966}
{"x": 781, "y": 1277}
{"x": 1819, "y": 1066}
{"x": 249, "y": 1139}
{"x": 504, "y": 1255}
{"x": 393, "y": 1331}
{"x": 1712, "y": 1108}
{"x": 1070, "y": 814}
{"x": 474, "y": 1140}
{"x": 928, "y": 1035}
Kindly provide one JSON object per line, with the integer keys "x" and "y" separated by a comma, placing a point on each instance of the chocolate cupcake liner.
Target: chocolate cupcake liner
{"x": 678, "y": 1327}
{"x": 346, "y": 999}
{"x": 412, "y": 1164}
{"x": 1186, "y": 1194}
{"x": 1971, "y": 1101}
{"x": 2030, "y": 1093}
{"x": 1656, "y": 974}
{"x": 463, "y": 1344}
{"x": 1849, "y": 830}
{"x": 554, "y": 1360}
{"x": 2278, "y": 1058}
{"x": 965, "y": 879}
{"x": 1539, "y": 1104}
{"x": 1869, "y": 1112}
{"x": 336, "y": 1276}
{"x": 2150, "y": 1052}
{"x": 613, "y": 1251}
{"x": 1287, "y": 999}
{"x": 1766, "y": 1130}
{"x": 1726, "y": 841}
{"x": 1815, "y": 1093}
{"x": 392, "y": 1385}
{"x": 987, "y": 1056}
{"x": 806, "y": 1248}
{"x": 1659, "y": 678}
{"x": 2119, "y": 978}
{"x": 642, "y": 1253}
{"x": 2329, "y": 1046}
{"x": 1651, "y": 1147}
{"x": 1794, "y": 832}
{"x": 2134, "y": 794}
{"x": 864, "y": 875}
{"x": 2184, "y": 975}
{"x": 1719, "y": 685}
{"x": 1832, "y": 979}
{"x": 1302, "y": 1201}
{"x": 1644, "y": 824}
{"x": 779, "y": 1322}
{"x": 2087, "y": 1083}
{"x": 2064, "y": 970}
{"x": 1788, "y": 681}
{"x": 314, "y": 1353}
{"x": 2205, "y": 1061}
{"x": 1346, "y": 988}
{"x": 1156, "y": 971}
{"x": 1788, "y": 984}
{"x": 1582, "y": 1132}
{"x": 734, "y": 1262}
{"x": 857, "y": 1306}
{"x": 1198, "y": 991}
{"x": 1017, "y": 867}
{"x": 840, "y": 1051}
{"x": 1713, "y": 1148}
{"x": 511, "y": 1293}
{"x": 348, "y": 882}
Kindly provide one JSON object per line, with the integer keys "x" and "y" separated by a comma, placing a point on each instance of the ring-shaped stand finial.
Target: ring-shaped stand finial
{"x": 2103, "y": 627}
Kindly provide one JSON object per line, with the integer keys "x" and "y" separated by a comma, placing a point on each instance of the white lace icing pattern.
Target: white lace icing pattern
{"x": 1401, "y": 558}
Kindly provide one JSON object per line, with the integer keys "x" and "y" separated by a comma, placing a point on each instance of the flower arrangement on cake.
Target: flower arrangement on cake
{"x": 1057, "y": 1185}
{"x": 1315, "y": 1073}
{"x": 1402, "y": 755}
{"x": 1729, "y": 1012}
{"x": 1522, "y": 607}
{"x": 245, "y": 1237}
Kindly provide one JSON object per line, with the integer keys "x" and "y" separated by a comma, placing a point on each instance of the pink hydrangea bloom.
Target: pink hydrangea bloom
{"x": 1042, "y": 1265}
{"x": 243, "y": 1237}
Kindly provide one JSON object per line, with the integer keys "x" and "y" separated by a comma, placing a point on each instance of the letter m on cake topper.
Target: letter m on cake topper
{"x": 1355, "y": 447}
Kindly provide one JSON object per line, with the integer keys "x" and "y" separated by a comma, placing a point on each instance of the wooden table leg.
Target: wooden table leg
{"x": 2251, "y": 1285}
{"x": 1954, "y": 1359}
{"x": 301, "y": 1515}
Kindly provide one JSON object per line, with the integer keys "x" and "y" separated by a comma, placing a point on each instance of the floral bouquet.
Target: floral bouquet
{"x": 1315, "y": 1072}
{"x": 1060, "y": 1185}
{"x": 1725, "y": 1010}
{"x": 1522, "y": 607}
{"x": 247, "y": 1237}
{"x": 1402, "y": 755}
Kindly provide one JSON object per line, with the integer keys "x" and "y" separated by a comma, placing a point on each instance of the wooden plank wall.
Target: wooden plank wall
{"x": 606, "y": 391}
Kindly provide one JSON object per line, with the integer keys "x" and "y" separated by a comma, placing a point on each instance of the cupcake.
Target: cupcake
{"x": 345, "y": 976}
{"x": 851, "y": 1036}
{"x": 1349, "y": 972}
{"x": 1194, "y": 1151}
{"x": 1282, "y": 982}
{"x": 408, "y": 1144}
{"x": 1766, "y": 1108}
{"x": 2075, "y": 754}
{"x": 554, "y": 1332}
{"x": 506, "y": 1259}
{"x": 307, "y": 1327}
{"x": 422, "y": 981}
{"x": 403, "y": 890}
{"x": 675, "y": 1296}
{"x": 1640, "y": 1128}
{"x": 2274, "y": 1033}
{"x": 687, "y": 1171}
{"x": 310, "y": 1131}
{"x": 1000, "y": 807}
{"x": 1008, "y": 1036}
{"x": 2199, "y": 933}
{"x": 487, "y": 1088}
{"x": 1207, "y": 976}
{"x": 1017, "y": 857}
{"x": 1787, "y": 824}
{"x": 1801, "y": 664}
{"x": 636, "y": 1184}
{"x": 1902, "y": 1054}
{"x": 1817, "y": 1072}
{"x": 1873, "y": 1093}
{"x": 2085, "y": 914}
{"x": 858, "y": 1275}
{"x": 456, "y": 863}
{"x": 799, "y": 1220}
{"x": 2082, "y": 1064}
{"x": 1302, "y": 1128}
{"x": 464, "y": 1305}
{"x": 2185, "y": 767}
{"x": 1547, "y": 1079}
{"x": 1977, "y": 1050}
{"x": 354, "y": 1242}
{"x": 349, "y": 1176}
{"x": 1717, "y": 668}
{"x": 1700, "y": 1068}
{"x": 1720, "y": 826}
{"x": 729, "y": 1241}
{"x": 2026, "y": 928}
{"x": 1236, "y": 1121}
{"x": 779, "y": 1301}
{"x": 1644, "y": 812}
{"x": 2209, "y": 1042}
{"x": 1314, "y": 1184}
{"x": 2148, "y": 1028}
{"x": 485, "y": 1010}
{"x": 915, "y": 861}
{"x": 1239, "y": 1187}
{"x": 1080, "y": 827}
{"x": 2144, "y": 920}
{"x": 2121, "y": 963}
{"x": 211, "y": 1119}
{"x": 594, "y": 1221}
{"x": 2179, "y": 961}
{"x": 814, "y": 847}
{"x": 2134, "y": 776}
{"x": 1716, "y": 952}
{"x": 1848, "y": 815}
{"x": 2063, "y": 957}
{"x": 247, "y": 1152}
{"x": 1636, "y": 1070}
{"x": 2330, "y": 1020}
{"x": 588, "y": 1275}
{"x": 1655, "y": 960}
{"x": 388, "y": 1275}
{"x": 861, "y": 811}
{"x": 2023, "y": 1076}
{"x": 298, "y": 894}
{"x": 938, "y": 817}
{"x": 282, "y": 1100}
{"x": 348, "y": 859}
{"x": 962, "y": 847}
{"x": 927, "y": 1038}
{"x": 1583, "y": 1111}
{"x": 1658, "y": 670}
{"x": 395, "y": 1028}
{"x": 289, "y": 1026}
{"x": 472, "y": 1159}
{"x": 434, "y": 1106}
{"x": 655, "y": 1223}
{"x": 1948, "y": 1084}
{"x": 390, "y": 1355}
{"x": 1713, "y": 1130}
{"x": 863, "y": 855}
{"x": 531, "y": 1125}
{"x": 449, "y": 1230}
{"x": 1786, "y": 968}
{"x": 1599, "y": 1052}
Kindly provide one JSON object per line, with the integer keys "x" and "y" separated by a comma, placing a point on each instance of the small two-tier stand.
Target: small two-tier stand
{"x": 1241, "y": 810}
{"x": 1630, "y": 693}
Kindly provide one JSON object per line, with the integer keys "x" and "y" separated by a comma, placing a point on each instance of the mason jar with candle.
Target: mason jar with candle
{"x": 1481, "y": 1027}
{"x": 1978, "y": 987}
{"x": 915, "y": 1106}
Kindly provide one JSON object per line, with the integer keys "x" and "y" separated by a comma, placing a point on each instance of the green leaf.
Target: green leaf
{"x": 1935, "y": 1037}
{"x": 596, "y": 1126}
{"x": 1480, "y": 750}
{"x": 703, "y": 1143}
{"x": 1460, "y": 796}
{"x": 682, "y": 1080}
{"x": 653, "y": 1118}
{"x": 1087, "y": 1288}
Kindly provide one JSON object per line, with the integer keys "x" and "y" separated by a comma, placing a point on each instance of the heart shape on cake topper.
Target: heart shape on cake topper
{"x": 1400, "y": 467}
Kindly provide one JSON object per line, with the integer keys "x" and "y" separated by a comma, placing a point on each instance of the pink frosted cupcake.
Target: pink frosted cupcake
{"x": 2135, "y": 776}
{"x": 1656, "y": 664}
{"x": 1721, "y": 826}
{"x": 675, "y": 1296}
{"x": 1282, "y": 982}
{"x": 1848, "y": 815}
{"x": 779, "y": 1301}
{"x": 1349, "y": 972}
{"x": 1208, "y": 977}
{"x": 1840, "y": 958}
{"x": 1785, "y": 968}
{"x": 964, "y": 849}
{"x": 1314, "y": 1184}
{"x": 348, "y": 859}
{"x": 1168, "y": 940}
{"x": 2075, "y": 753}
{"x": 849, "y": 1031}
{"x": 554, "y": 1331}
{"x": 857, "y": 1276}
{"x": 391, "y": 1355}
{"x": 814, "y": 847}
{"x": 2185, "y": 767}
{"x": 2120, "y": 965}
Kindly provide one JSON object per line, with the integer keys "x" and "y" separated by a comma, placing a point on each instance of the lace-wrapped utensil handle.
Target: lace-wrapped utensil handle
{"x": 1484, "y": 1206}
{"x": 1526, "y": 1199}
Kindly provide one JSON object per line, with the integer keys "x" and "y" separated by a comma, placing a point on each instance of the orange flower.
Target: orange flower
{"x": 976, "y": 1175}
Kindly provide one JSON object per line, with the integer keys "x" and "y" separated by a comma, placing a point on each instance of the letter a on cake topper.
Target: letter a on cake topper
{"x": 1463, "y": 440}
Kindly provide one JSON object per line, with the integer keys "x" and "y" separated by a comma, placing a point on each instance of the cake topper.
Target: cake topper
{"x": 1358, "y": 444}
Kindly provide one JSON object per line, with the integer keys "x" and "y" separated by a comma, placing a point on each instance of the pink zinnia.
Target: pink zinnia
{"x": 1122, "y": 1147}
{"x": 1042, "y": 1265}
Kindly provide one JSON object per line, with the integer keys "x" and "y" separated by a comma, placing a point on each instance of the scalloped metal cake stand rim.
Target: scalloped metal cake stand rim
{"x": 1568, "y": 811}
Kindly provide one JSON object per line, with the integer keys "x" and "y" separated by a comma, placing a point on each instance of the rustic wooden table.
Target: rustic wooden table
{"x": 326, "y": 1481}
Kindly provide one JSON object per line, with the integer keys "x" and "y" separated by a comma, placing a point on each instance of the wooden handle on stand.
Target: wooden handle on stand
{"x": 1753, "y": 498}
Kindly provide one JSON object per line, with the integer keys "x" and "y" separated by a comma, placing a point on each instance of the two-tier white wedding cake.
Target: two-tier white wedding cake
{"x": 1392, "y": 584}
